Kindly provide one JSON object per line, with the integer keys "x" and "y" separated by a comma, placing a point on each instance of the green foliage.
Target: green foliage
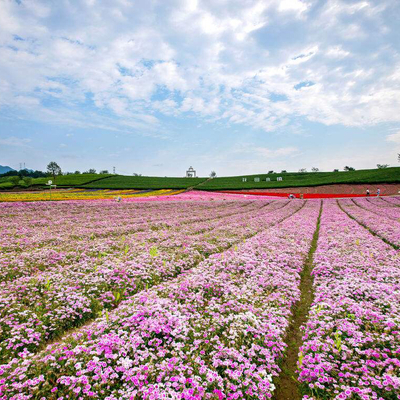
{"x": 71, "y": 180}
{"x": 27, "y": 180}
{"x": 290, "y": 179}
{"x": 15, "y": 180}
{"x": 144, "y": 182}
{"x": 301, "y": 357}
{"x": 338, "y": 341}
{"x": 118, "y": 296}
{"x": 47, "y": 284}
{"x": 153, "y": 251}
{"x": 53, "y": 169}
{"x": 306, "y": 179}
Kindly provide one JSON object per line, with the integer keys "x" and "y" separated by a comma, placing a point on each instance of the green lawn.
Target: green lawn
{"x": 144, "y": 182}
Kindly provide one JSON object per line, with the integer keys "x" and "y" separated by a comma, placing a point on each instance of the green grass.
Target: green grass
{"x": 144, "y": 182}
{"x": 62, "y": 180}
{"x": 290, "y": 179}
{"x": 5, "y": 183}
{"x": 296, "y": 179}
{"x": 71, "y": 180}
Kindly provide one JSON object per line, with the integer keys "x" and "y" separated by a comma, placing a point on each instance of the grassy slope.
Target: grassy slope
{"x": 144, "y": 182}
{"x": 387, "y": 175}
{"x": 63, "y": 180}
{"x": 5, "y": 183}
{"x": 71, "y": 180}
{"x": 291, "y": 179}
{"x": 294, "y": 179}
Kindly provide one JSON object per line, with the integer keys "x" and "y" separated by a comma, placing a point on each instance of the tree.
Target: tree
{"x": 105, "y": 171}
{"x": 14, "y": 180}
{"x": 54, "y": 169}
{"x": 77, "y": 172}
{"x": 347, "y": 168}
{"x": 283, "y": 171}
{"x": 314, "y": 169}
{"x": 271, "y": 172}
{"x": 92, "y": 171}
{"x": 27, "y": 180}
{"x": 213, "y": 174}
{"x": 335, "y": 170}
{"x": 398, "y": 157}
{"x": 302, "y": 170}
{"x": 382, "y": 166}
{"x": 135, "y": 174}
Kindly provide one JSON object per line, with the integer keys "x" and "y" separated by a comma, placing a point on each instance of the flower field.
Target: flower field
{"x": 352, "y": 339}
{"x": 191, "y": 296}
{"x": 81, "y": 194}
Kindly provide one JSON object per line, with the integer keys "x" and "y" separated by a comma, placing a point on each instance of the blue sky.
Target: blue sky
{"x": 235, "y": 86}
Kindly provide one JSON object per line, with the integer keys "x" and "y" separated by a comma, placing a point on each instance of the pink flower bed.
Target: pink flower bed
{"x": 95, "y": 275}
{"x": 351, "y": 344}
{"x": 214, "y": 332}
{"x": 378, "y": 221}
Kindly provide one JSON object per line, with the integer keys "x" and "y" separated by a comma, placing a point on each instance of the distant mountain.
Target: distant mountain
{"x": 5, "y": 168}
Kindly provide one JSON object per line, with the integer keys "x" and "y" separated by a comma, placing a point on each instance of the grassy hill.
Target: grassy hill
{"x": 62, "y": 180}
{"x": 5, "y": 183}
{"x": 144, "y": 182}
{"x": 296, "y": 179}
{"x": 289, "y": 179}
{"x": 71, "y": 180}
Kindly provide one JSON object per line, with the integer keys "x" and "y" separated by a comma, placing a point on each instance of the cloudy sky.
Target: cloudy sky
{"x": 237, "y": 86}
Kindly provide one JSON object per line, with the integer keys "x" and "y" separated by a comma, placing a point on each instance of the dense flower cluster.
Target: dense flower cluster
{"x": 81, "y": 194}
{"x": 216, "y": 331}
{"x": 351, "y": 344}
{"x": 379, "y": 207}
{"x": 125, "y": 195}
{"x": 191, "y": 296}
{"x": 96, "y": 275}
{"x": 376, "y": 219}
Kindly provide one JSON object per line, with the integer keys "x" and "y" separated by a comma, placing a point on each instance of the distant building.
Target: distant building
{"x": 244, "y": 179}
{"x": 191, "y": 173}
{"x": 256, "y": 179}
{"x": 279, "y": 178}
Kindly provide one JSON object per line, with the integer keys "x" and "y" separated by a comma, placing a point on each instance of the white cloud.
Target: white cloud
{"x": 394, "y": 137}
{"x": 292, "y": 5}
{"x": 219, "y": 60}
{"x": 14, "y": 141}
{"x": 274, "y": 153}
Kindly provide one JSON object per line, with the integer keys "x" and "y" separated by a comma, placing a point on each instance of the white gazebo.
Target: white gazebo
{"x": 190, "y": 173}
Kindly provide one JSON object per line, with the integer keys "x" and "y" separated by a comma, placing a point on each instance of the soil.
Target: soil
{"x": 288, "y": 385}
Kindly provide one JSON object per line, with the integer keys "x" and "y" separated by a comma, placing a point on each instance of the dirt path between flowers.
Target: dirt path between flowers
{"x": 287, "y": 386}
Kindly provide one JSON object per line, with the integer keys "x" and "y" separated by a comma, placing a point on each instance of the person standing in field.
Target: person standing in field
{"x": 367, "y": 192}
{"x": 378, "y": 192}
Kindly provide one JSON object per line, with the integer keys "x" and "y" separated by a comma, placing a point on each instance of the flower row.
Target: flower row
{"x": 31, "y": 258}
{"x": 35, "y": 309}
{"x": 351, "y": 346}
{"x": 215, "y": 332}
{"x": 380, "y": 224}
